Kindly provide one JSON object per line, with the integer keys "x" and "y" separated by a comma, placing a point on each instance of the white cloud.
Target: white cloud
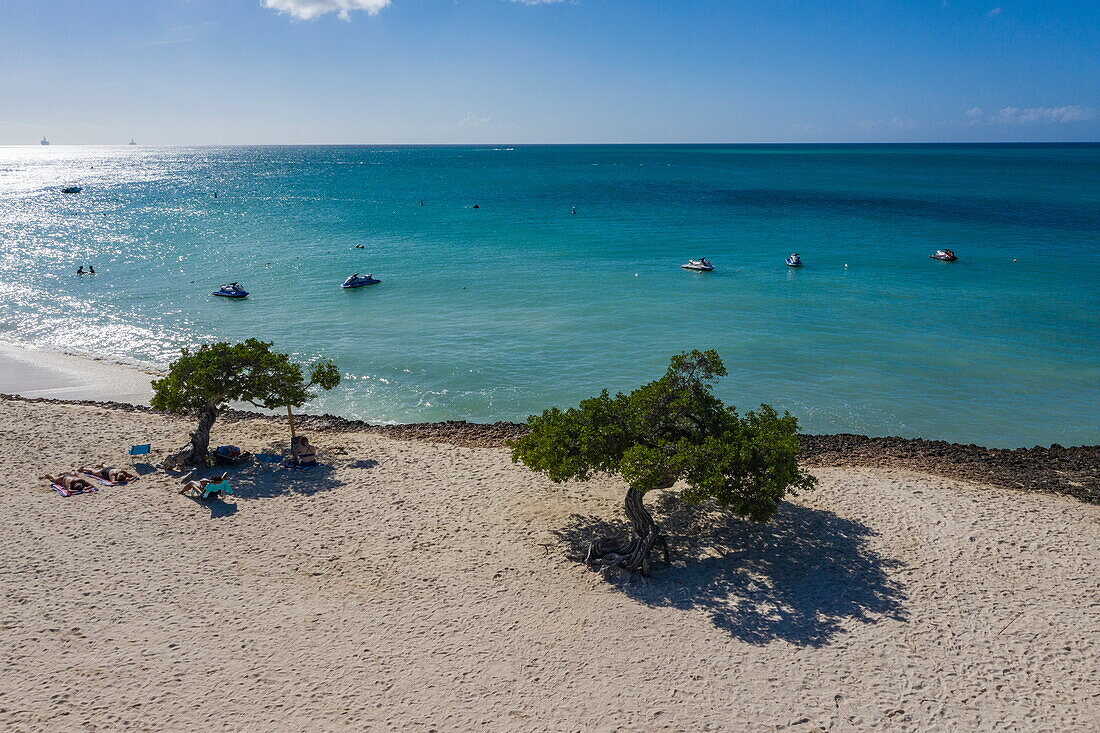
{"x": 993, "y": 13}
{"x": 1029, "y": 115}
{"x": 472, "y": 121}
{"x": 310, "y": 9}
{"x": 164, "y": 42}
{"x": 895, "y": 123}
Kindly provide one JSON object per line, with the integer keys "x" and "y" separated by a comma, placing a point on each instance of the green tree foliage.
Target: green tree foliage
{"x": 672, "y": 429}
{"x": 205, "y": 379}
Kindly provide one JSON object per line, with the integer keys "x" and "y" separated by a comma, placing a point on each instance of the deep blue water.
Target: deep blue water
{"x": 496, "y": 312}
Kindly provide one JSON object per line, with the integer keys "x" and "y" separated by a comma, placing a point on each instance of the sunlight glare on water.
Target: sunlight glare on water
{"x": 496, "y": 312}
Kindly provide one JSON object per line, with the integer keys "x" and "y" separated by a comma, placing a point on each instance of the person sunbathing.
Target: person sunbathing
{"x": 304, "y": 453}
{"x": 207, "y": 487}
{"x": 109, "y": 473}
{"x": 69, "y": 481}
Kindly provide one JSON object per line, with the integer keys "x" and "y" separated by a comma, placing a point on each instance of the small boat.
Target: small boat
{"x": 232, "y": 290}
{"x": 132, "y": 141}
{"x": 700, "y": 265}
{"x": 44, "y": 141}
{"x": 358, "y": 281}
{"x": 794, "y": 260}
{"x": 71, "y": 189}
{"x": 944, "y": 255}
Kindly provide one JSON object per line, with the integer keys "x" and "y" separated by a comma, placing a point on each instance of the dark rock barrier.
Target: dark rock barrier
{"x": 1057, "y": 470}
{"x": 1054, "y": 469}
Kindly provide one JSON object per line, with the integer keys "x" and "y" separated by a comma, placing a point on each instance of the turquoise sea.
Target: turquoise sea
{"x": 496, "y": 312}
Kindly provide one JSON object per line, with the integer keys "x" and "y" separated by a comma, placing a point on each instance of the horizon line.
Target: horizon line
{"x": 549, "y": 144}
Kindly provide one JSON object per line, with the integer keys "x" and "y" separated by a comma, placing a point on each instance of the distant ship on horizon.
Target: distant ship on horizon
{"x": 132, "y": 141}
{"x": 44, "y": 141}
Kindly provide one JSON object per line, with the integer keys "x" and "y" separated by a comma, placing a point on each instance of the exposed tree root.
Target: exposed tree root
{"x": 605, "y": 555}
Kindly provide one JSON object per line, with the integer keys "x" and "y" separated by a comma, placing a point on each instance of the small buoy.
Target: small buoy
{"x": 1014, "y": 259}
{"x": 635, "y": 274}
{"x": 845, "y": 264}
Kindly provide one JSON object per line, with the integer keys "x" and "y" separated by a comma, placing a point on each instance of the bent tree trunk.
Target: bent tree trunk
{"x": 644, "y": 536}
{"x": 195, "y": 452}
{"x": 290, "y": 417}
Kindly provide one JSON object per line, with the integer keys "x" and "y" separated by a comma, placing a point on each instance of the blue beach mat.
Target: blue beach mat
{"x": 105, "y": 482}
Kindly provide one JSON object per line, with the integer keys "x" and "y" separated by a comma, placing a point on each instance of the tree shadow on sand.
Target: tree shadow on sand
{"x": 798, "y": 578}
{"x": 264, "y": 481}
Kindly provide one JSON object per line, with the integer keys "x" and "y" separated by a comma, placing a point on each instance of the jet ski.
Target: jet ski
{"x": 358, "y": 281}
{"x": 794, "y": 260}
{"x": 232, "y": 290}
{"x": 71, "y": 189}
{"x": 701, "y": 265}
{"x": 944, "y": 255}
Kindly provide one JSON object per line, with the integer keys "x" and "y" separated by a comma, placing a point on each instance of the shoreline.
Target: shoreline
{"x": 39, "y": 375}
{"x": 1065, "y": 471}
{"x": 34, "y": 372}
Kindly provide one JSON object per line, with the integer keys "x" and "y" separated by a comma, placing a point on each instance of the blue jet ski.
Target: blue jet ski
{"x": 232, "y": 290}
{"x": 358, "y": 281}
{"x": 794, "y": 260}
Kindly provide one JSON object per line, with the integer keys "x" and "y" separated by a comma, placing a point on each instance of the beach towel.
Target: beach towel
{"x": 267, "y": 458}
{"x": 210, "y": 490}
{"x": 105, "y": 482}
{"x": 65, "y": 492}
{"x": 293, "y": 466}
{"x": 223, "y": 488}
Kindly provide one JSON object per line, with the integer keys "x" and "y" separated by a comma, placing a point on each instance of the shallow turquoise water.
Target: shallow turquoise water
{"x": 496, "y": 312}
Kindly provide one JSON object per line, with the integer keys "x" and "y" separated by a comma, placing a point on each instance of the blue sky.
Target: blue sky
{"x": 458, "y": 71}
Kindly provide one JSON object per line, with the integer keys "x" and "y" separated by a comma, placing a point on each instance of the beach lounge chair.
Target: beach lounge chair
{"x": 210, "y": 491}
{"x": 217, "y": 491}
{"x": 230, "y": 455}
{"x": 140, "y": 450}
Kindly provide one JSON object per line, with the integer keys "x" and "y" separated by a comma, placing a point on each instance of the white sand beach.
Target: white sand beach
{"x": 420, "y": 586}
{"x": 37, "y": 373}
